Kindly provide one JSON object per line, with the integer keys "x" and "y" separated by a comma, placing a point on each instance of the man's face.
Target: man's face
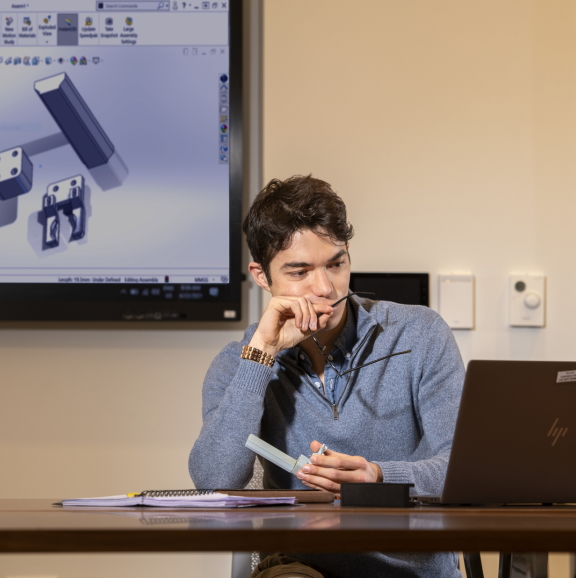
{"x": 313, "y": 267}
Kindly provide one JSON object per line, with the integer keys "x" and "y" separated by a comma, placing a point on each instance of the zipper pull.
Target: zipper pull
{"x": 335, "y": 411}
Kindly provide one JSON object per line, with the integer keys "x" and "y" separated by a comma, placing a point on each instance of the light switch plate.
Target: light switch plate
{"x": 456, "y": 300}
{"x": 527, "y": 300}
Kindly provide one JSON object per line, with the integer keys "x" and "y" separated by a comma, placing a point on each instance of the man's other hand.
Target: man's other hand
{"x": 328, "y": 471}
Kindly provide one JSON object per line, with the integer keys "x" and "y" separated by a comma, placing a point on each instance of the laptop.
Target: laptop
{"x": 515, "y": 438}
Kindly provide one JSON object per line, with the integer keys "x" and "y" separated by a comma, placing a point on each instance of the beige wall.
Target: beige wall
{"x": 448, "y": 127}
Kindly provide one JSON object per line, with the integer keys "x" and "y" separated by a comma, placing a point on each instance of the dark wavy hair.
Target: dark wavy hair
{"x": 282, "y": 208}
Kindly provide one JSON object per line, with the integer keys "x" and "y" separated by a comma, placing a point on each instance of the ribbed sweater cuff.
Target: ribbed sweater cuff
{"x": 395, "y": 472}
{"x": 253, "y": 377}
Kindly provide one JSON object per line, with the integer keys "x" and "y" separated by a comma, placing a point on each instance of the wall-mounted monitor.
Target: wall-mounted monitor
{"x": 120, "y": 160}
{"x": 405, "y": 288}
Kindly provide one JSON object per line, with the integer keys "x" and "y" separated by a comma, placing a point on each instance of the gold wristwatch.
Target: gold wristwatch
{"x": 257, "y": 355}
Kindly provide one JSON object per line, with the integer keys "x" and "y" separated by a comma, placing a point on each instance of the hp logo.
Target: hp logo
{"x": 557, "y": 432}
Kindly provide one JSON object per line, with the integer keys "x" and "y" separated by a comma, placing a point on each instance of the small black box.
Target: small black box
{"x": 375, "y": 495}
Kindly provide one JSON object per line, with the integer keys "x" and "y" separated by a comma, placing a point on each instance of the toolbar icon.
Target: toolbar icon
{"x": 89, "y": 21}
{"x": 109, "y": 21}
{"x": 35, "y": 61}
{"x": 68, "y": 21}
{"x": 8, "y": 60}
{"x": 47, "y": 19}
{"x": 26, "y": 61}
{"x": 83, "y": 61}
{"x": 48, "y": 60}
{"x": 96, "y": 60}
{"x": 27, "y": 21}
{"x": 9, "y": 21}
{"x": 17, "y": 60}
{"x": 129, "y": 21}
{"x": 74, "y": 61}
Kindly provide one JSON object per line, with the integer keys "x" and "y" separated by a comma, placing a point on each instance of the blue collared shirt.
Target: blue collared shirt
{"x": 339, "y": 356}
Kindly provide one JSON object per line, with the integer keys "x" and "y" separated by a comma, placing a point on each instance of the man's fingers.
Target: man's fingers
{"x": 315, "y": 445}
{"x": 340, "y": 461}
{"x": 293, "y": 307}
{"x": 304, "y": 312}
{"x": 313, "y": 325}
{"x": 332, "y": 459}
{"x": 322, "y": 484}
{"x": 307, "y": 312}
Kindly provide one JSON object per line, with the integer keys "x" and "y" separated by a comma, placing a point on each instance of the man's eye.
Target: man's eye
{"x": 298, "y": 273}
{"x": 338, "y": 264}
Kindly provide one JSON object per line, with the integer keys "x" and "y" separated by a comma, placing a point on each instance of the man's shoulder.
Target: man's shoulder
{"x": 388, "y": 313}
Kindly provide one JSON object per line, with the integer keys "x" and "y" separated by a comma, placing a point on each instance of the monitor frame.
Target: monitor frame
{"x": 55, "y": 302}
{"x": 424, "y": 279}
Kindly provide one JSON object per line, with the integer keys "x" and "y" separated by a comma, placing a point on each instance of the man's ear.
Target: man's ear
{"x": 259, "y": 276}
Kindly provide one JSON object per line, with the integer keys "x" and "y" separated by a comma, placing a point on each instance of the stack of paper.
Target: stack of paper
{"x": 212, "y": 500}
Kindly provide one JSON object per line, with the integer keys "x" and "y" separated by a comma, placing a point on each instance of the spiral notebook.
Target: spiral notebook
{"x": 180, "y": 499}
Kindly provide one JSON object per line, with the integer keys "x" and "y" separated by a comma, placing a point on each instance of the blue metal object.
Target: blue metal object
{"x": 15, "y": 173}
{"x": 75, "y": 120}
{"x": 71, "y": 203}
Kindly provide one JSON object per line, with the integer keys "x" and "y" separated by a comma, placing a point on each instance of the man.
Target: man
{"x": 390, "y": 421}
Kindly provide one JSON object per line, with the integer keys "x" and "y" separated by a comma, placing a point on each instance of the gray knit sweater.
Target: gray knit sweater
{"x": 399, "y": 413}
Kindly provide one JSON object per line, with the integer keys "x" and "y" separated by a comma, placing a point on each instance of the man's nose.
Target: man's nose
{"x": 321, "y": 285}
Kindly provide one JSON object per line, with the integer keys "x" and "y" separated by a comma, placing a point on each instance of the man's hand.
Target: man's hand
{"x": 326, "y": 472}
{"x": 287, "y": 321}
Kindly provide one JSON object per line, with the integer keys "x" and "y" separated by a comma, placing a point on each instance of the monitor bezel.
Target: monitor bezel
{"x": 61, "y": 306}
{"x": 424, "y": 279}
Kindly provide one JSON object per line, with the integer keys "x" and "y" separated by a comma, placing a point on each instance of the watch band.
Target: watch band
{"x": 257, "y": 355}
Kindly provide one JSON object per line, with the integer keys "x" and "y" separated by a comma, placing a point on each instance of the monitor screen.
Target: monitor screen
{"x": 404, "y": 288}
{"x": 120, "y": 146}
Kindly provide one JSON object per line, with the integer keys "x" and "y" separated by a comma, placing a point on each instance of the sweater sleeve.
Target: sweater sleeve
{"x": 438, "y": 381}
{"x": 232, "y": 408}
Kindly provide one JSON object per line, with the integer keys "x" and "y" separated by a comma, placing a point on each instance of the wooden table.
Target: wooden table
{"x": 37, "y": 526}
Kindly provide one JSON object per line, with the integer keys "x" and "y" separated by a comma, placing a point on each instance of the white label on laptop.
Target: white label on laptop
{"x": 564, "y": 376}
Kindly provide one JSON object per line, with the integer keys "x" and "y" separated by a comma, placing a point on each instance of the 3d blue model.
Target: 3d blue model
{"x": 75, "y": 119}
{"x": 15, "y": 173}
{"x": 65, "y": 196}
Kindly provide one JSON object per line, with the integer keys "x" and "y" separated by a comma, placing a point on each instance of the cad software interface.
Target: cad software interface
{"x": 114, "y": 152}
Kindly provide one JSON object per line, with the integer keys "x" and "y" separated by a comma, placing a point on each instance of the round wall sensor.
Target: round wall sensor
{"x": 532, "y": 299}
